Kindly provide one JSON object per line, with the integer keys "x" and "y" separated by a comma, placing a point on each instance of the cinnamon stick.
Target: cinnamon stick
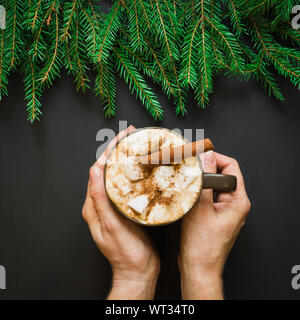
{"x": 176, "y": 154}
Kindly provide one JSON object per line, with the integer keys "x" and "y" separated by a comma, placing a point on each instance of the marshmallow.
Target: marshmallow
{"x": 157, "y": 214}
{"x": 188, "y": 175}
{"x": 143, "y": 142}
{"x": 163, "y": 175}
{"x": 139, "y": 204}
{"x": 131, "y": 170}
{"x": 122, "y": 183}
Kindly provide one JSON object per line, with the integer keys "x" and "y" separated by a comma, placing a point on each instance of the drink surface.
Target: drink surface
{"x": 151, "y": 195}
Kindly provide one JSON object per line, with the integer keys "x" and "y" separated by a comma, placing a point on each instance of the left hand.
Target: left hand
{"x": 127, "y": 246}
{"x": 209, "y": 231}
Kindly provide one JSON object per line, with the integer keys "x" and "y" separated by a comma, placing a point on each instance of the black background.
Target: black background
{"x": 46, "y": 246}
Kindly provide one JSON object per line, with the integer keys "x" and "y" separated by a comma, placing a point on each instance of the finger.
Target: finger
{"x": 88, "y": 189}
{"x": 88, "y": 206}
{"x": 89, "y": 212}
{"x": 102, "y": 159}
{"x": 227, "y": 165}
{"x": 210, "y": 166}
{"x": 110, "y": 220}
{"x": 97, "y": 190}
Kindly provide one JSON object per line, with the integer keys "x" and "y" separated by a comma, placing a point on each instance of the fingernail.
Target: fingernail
{"x": 131, "y": 127}
{"x": 209, "y": 158}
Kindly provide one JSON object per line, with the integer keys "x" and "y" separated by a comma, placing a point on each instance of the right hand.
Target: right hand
{"x": 209, "y": 231}
{"x": 127, "y": 246}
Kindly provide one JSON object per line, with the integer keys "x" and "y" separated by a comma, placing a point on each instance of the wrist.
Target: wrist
{"x": 127, "y": 285}
{"x": 201, "y": 283}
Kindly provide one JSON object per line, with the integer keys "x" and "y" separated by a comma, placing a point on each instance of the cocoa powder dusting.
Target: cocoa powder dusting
{"x": 148, "y": 186}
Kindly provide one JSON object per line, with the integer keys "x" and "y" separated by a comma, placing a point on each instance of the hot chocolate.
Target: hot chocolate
{"x": 151, "y": 195}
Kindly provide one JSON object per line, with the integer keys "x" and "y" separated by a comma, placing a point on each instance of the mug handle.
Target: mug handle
{"x": 219, "y": 182}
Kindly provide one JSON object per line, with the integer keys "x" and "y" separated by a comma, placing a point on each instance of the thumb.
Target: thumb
{"x": 209, "y": 162}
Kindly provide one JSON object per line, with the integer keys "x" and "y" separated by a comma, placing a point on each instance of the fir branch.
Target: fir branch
{"x": 69, "y": 16}
{"x": 220, "y": 59}
{"x": 68, "y": 63}
{"x": 201, "y": 93}
{"x": 90, "y": 30}
{"x": 49, "y": 18}
{"x": 259, "y": 70}
{"x": 290, "y": 53}
{"x": 143, "y": 6}
{"x": 138, "y": 61}
{"x": 169, "y": 46}
{"x": 268, "y": 81}
{"x": 138, "y": 85}
{"x": 79, "y": 50}
{"x": 174, "y": 6}
{"x": 36, "y": 12}
{"x": 279, "y": 61}
{"x": 164, "y": 79}
{"x": 230, "y": 43}
{"x": 12, "y": 12}
{"x": 53, "y": 65}
{"x": 166, "y": 35}
{"x": 105, "y": 87}
{"x": 287, "y": 33}
{"x": 99, "y": 82}
{"x": 39, "y": 44}
{"x": 183, "y": 13}
{"x": 153, "y": 69}
{"x": 172, "y": 18}
{"x": 123, "y": 3}
{"x": 235, "y": 16}
{"x": 188, "y": 74}
{"x": 135, "y": 27}
{"x": 33, "y": 91}
{"x": 76, "y": 61}
{"x": 4, "y": 67}
{"x": 14, "y": 9}
{"x": 205, "y": 57}
{"x": 96, "y": 17}
{"x": 283, "y": 11}
{"x": 254, "y": 7}
{"x": 108, "y": 32}
{"x": 204, "y": 49}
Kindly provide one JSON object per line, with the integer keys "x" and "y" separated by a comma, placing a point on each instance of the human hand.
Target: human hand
{"x": 126, "y": 245}
{"x": 209, "y": 231}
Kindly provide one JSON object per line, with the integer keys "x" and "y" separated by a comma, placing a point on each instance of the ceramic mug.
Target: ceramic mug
{"x": 215, "y": 181}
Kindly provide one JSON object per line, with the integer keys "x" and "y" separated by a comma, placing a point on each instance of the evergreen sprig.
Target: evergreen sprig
{"x": 179, "y": 45}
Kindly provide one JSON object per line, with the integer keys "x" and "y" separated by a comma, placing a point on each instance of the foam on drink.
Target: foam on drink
{"x": 155, "y": 195}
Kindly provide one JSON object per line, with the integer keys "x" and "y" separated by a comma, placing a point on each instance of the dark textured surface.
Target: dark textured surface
{"x": 46, "y": 246}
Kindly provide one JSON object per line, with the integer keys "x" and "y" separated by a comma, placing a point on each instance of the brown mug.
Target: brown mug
{"x": 217, "y": 182}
